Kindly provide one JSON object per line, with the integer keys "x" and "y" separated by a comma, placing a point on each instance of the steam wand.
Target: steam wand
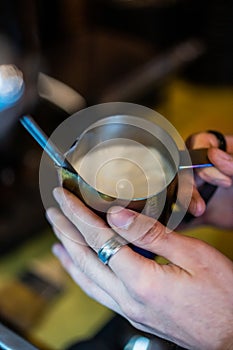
{"x": 11, "y": 91}
{"x": 38, "y": 134}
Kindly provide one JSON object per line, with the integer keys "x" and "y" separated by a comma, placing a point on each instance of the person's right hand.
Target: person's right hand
{"x": 219, "y": 210}
{"x": 188, "y": 301}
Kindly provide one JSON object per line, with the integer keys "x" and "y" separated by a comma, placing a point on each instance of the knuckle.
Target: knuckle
{"x": 95, "y": 241}
{"x": 144, "y": 289}
{"x": 80, "y": 259}
{"x": 141, "y": 292}
{"x": 152, "y": 235}
{"x": 131, "y": 310}
{"x": 200, "y": 139}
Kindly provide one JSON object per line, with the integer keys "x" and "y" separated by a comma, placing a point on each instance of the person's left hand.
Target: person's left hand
{"x": 219, "y": 210}
{"x": 188, "y": 301}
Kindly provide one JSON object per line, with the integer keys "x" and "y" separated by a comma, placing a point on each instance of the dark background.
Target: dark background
{"x": 97, "y": 48}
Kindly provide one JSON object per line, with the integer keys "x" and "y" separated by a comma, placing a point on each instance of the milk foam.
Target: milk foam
{"x": 124, "y": 169}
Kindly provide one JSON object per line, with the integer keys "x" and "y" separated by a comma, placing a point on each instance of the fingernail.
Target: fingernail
{"x": 52, "y": 215}
{"x": 57, "y": 193}
{"x": 121, "y": 217}
{"x": 49, "y": 215}
{"x": 199, "y": 207}
{"x": 56, "y": 250}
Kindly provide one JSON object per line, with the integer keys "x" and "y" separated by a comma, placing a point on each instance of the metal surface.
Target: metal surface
{"x": 198, "y": 157}
{"x": 54, "y": 153}
{"x": 124, "y": 128}
{"x": 11, "y": 341}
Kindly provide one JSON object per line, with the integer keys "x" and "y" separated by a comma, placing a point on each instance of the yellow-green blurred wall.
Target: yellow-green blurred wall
{"x": 193, "y": 108}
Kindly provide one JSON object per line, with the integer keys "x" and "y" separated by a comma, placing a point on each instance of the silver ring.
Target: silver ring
{"x": 110, "y": 248}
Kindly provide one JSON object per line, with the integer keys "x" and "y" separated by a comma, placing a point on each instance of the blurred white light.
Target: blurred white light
{"x": 138, "y": 343}
{"x": 11, "y": 85}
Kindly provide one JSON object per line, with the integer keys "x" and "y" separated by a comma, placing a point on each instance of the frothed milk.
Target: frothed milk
{"x": 124, "y": 169}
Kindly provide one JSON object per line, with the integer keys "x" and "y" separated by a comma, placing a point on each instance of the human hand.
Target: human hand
{"x": 219, "y": 211}
{"x": 188, "y": 301}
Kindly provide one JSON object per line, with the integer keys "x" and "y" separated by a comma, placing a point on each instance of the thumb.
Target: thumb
{"x": 149, "y": 234}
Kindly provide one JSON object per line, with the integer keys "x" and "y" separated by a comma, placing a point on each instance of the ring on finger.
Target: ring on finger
{"x": 110, "y": 248}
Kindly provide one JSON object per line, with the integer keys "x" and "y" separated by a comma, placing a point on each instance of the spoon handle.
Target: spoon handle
{"x": 199, "y": 159}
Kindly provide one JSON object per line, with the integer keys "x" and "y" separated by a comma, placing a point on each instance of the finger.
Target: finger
{"x": 202, "y": 140}
{"x": 188, "y": 197}
{"x": 86, "y": 284}
{"x": 151, "y": 235}
{"x": 197, "y": 205}
{"x": 220, "y": 174}
{"x": 91, "y": 289}
{"x": 120, "y": 290}
{"x": 222, "y": 160}
{"x": 229, "y": 140}
{"x": 94, "y": 230}
{"x": 65, "y": 226}
{"x": 126, "y": 264}
{"x": 92, "y": 227}
{"x": 83, "y": 256}
{"x": 216, "y": 176}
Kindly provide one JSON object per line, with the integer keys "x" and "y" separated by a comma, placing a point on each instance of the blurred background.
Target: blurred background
{"x": 174, "y": 56}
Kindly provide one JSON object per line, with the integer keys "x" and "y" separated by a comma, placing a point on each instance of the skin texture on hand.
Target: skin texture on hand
{"x": 188, "y": 301}
{"x": 222, "y": 172}
{"x": 219, "y": 211}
